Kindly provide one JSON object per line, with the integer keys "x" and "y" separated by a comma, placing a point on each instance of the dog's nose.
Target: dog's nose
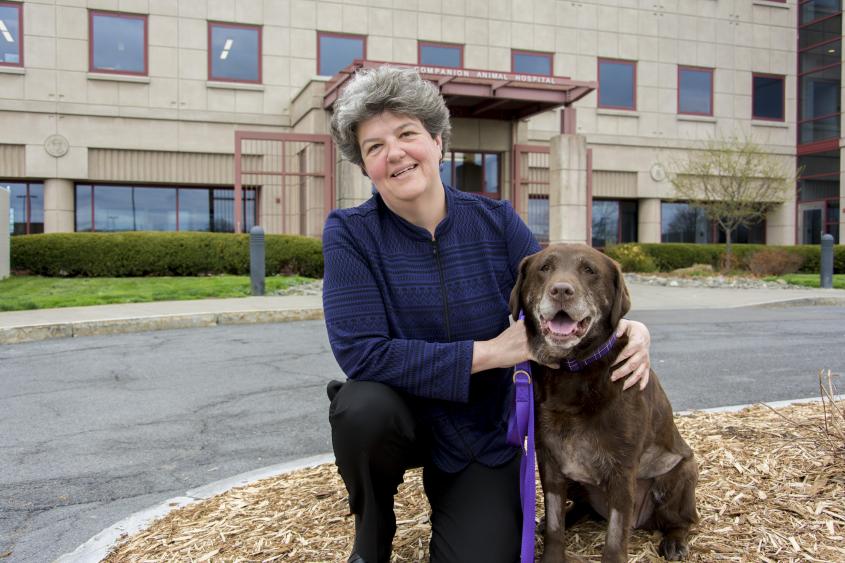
{"x": 562, "y": 290}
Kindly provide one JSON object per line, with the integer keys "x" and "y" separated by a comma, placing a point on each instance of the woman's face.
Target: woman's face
{"x": 401, "y": 158}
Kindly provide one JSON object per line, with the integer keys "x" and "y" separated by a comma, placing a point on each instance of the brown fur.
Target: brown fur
{"x": 617, "y": 452}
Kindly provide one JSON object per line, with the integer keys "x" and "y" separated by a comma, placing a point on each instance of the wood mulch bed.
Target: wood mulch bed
{"x": 771, "y": 489}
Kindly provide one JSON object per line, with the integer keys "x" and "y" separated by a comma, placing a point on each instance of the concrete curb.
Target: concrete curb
{"x": 19, "y": 334}
{"x": 800, "y": 302}
{"x": 96, "y": 548}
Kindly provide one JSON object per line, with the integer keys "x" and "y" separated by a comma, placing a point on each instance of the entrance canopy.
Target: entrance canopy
{"x": 485, "y": 94}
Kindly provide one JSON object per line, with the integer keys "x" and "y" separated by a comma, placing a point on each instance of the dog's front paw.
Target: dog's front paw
{"x": 673, "y": 549}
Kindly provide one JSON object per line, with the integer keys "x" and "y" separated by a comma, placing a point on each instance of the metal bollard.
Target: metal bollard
{"x": 827, "y": 262}
{"x": 256, "y": 260}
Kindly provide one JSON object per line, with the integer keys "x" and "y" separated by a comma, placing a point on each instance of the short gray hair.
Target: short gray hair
{"x": 398, "y": 90}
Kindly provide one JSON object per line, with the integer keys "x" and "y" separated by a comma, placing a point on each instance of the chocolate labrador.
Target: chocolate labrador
{"x": 616, "y": 451}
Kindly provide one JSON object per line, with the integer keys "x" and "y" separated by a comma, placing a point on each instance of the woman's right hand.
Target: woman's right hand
{"x": 506, "y": 350}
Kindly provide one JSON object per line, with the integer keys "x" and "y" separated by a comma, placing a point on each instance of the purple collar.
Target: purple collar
{"x": 578, "y": 365}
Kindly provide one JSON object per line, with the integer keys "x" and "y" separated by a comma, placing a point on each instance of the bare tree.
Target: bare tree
{"x": 734, "y": 181}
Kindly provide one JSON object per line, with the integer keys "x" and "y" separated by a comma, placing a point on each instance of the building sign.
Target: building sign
{"x": 491, "y": 75}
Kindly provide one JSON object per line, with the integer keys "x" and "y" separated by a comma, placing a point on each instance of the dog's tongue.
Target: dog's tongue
{"x": 562, "y": 324}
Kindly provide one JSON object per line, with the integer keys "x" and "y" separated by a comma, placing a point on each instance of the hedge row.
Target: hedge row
{"x": 160, "y": 254}
{"x": 666, "y": 257}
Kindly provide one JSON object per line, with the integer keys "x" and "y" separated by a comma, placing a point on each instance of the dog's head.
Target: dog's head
{"x": 573, "y": 296}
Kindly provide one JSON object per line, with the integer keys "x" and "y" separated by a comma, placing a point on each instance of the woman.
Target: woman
{"x": 416, "y": 290}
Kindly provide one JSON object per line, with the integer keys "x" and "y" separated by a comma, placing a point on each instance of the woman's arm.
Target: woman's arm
{"x": 358, "y": 328}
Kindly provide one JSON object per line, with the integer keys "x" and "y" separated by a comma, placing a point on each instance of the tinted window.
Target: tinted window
{"x": 768, "y": 97}
{"x": 616, "y": 84}
{"x": 440, "y": 55}
{"x": 679, "y": 222}
{"x": 10, "y": 35}
{"x": 194, "y": 210}
{"x": 531, "y": 63}
{"x": 36, "y": 208}
{"x": 235, "y": 53}
{"x": 695, "y": 89}
{"x": 605, "y": 223}
{"x": 119, "y": 43}
{"x": 83, "y": 208}
{"x": 336, "y": 53}
{"x": 538, "y": 217}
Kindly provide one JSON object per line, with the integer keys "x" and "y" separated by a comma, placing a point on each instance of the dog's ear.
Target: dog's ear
{"x": 621, "y": 297}
{"x": 516, "y": 293}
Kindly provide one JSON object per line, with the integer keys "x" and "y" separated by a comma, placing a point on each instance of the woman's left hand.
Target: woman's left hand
{"x": 635, "y": 354}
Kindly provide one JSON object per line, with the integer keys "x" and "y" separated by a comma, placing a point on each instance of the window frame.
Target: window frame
{"x": 124, "y": 15}
{"x": 458, "y": 46}
{"x": 599, "y": 105}
{"x": 783, "y": 96}
{"x": 321, "y": 34}
{"x": 539, "y": 54}
{"x": 259, "y": 29}
{"x": 20, "y": 63}
{"x": 712, "y": 80}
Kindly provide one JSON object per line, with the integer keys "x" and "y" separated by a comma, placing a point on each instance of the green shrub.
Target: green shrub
{"x": 631, "y": 258}
{"x": 160, "y": 254}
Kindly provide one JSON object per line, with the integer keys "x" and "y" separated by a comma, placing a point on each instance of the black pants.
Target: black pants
{"x": 476, "y": 513}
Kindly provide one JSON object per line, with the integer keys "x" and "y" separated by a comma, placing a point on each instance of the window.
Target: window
{"x": 336, "y": 52}
{"x": 26, "y": 207}
{"x": 617, "y": 84}
{"x": 440, "y": 54}
{"x": 474, "y": 172}
{"x": 11, "y": 38}
{"x": 234, "y": 52}
{"x": 117, "y": 43}
{"x": 768, "y": 97}
{"x": 695, "y": 90}
{"x": 680, "y": 222}
{"x": 160, "y": 208}
{"x": 527, "y": 62}
{"x": 614, "y": 222}
{"x": 538, "y": 216}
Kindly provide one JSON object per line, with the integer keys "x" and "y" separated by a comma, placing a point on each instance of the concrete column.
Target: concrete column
{"x": 352, "y": 187}
{"x": 841, "y": 217}
{"x": 4, "y": 234}
{"x": 568, "y": 189}
{"x": 58, "y": 206}
{"x": 780, "y": 222}
{"x": 648, "y": 221}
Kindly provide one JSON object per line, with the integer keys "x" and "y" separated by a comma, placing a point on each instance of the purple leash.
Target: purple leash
{"x": 521, "y": 433}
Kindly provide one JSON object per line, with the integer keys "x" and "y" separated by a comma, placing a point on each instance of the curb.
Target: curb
{"x": 31, "y": 333}
{"x": 96, "y": 548}
{"x": 801, "y": 302}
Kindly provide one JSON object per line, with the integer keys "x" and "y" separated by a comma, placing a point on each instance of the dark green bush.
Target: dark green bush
{"x": 672, "y": 256}
{"x": 160, "y": 254}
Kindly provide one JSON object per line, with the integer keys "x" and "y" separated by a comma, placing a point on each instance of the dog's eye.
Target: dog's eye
{"x": 545, "y": 267}
{"x": 588, "y": 269}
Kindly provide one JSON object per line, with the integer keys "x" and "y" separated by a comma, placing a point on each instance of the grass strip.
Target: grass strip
{"x": 20, "y": 293}
{"x": 809, "y": 280}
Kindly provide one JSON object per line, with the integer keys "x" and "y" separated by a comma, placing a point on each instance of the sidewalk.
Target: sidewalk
{"x": 41, "y": 324}
{"x": 23, "y": 326}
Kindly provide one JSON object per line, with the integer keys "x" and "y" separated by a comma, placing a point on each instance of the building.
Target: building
{"x": 212, "y": 114}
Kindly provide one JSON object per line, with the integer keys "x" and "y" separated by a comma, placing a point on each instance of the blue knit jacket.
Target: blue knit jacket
{"x": 404, "y": 309}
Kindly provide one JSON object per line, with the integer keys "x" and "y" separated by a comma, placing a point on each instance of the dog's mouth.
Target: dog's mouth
{"x": 562, "y": 327}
